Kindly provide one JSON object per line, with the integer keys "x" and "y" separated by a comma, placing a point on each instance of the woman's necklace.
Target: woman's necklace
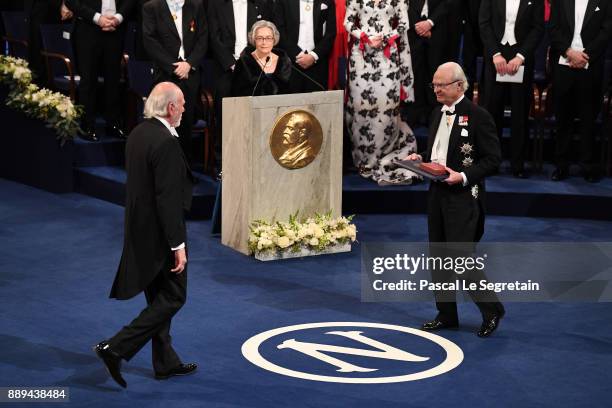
{"x": 260, "y": 62}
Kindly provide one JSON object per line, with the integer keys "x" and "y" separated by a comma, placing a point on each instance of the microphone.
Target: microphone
{"x": 308, "y": 77}
{"x": 259, "y": 77}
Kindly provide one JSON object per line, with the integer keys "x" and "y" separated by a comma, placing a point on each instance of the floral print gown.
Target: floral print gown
{"x": 378, "y": 79}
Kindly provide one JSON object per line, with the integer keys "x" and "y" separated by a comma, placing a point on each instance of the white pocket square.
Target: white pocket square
{"x": 324, "y": 6}
{"x": 464, "y": 132}
{"x": 597, "y": 9}
{"x": 529, "y": 4}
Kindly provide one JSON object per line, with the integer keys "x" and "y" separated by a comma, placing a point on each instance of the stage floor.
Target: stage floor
{"x": 59, "y": 253}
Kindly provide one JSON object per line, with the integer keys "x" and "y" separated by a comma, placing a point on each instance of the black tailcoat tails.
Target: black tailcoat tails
{"x": 456, "y": 213}
{"x": 159, "y": 185}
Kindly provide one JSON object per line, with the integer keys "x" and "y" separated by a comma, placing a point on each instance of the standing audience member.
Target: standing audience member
{"x": 307, "y": 31}
{"x": 262, "y": 69}
{"x": 511, "y": 31}
{"x": 230, "y": 21}
{"x": 380, "y": 77}
{"x": 428, "y": 36}
{"x": 580, "y": 31}
{"x": 41, "y": 12}
{"x": 472, "y": 43}
{"x": 99, "y": 33}
{"x": 175, "y": 35}
{"x": 154, "y": 258}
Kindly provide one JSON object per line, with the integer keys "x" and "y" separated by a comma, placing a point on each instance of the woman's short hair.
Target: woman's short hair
{"x": 159, "y": 98}
{"x": 263, "y": 24}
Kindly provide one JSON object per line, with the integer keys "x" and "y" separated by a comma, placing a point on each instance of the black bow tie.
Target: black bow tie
{"x": 449, "y": 113}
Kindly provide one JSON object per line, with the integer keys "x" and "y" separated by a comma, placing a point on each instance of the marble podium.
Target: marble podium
{"x": 258, "y": 182}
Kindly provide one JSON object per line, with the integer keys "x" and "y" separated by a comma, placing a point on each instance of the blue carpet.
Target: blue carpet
{"x": 58, "y": 255}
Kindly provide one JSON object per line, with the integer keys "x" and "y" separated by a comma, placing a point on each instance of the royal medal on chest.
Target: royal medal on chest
{"x": 467, "y": 149}
{"x": 463, "y": 120}
{"x": 467, "y": 162}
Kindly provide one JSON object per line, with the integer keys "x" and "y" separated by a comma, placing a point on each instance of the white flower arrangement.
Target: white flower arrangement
{"x": 56, "y": 109}
{"x": 317, "y": 234}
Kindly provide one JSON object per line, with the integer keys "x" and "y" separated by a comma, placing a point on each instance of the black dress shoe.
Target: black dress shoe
{"x": 116, "y": 132}
{"x": 559, "y": 174}
{"x": 89, "y": 134}
{"x": 592, "y": 177}
{"x": 436, "y": 324}
{"x": 489, "y": 326}
{"x": 112, "y": 361}
{"x": 183, "y": 369}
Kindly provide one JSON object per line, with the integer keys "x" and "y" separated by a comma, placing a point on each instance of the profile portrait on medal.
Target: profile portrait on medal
{"x": 296, "y": 139}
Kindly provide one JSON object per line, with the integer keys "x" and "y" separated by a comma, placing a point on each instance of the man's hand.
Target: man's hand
{"x": 453, "y": 177}
{"x": 376, "y": 41}
{"x": 501, "y": 66}
{"x": 106, "y": 23}
{"x": 413, "y": 157}
{"x": 514, "y": 65}
{"x": 180, "y": 260}
{"x": 577, "y": 59}
{"x": 182, "y": 69}
{"x": 304, "y": 60}
{"x": 65, "y": 12}
{"x": 422, "y": 28}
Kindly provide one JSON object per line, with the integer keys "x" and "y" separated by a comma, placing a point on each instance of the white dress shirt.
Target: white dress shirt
{"x": 439, "y": 150}
{"x": 175, "y": 134}
{"x": 512, "y": 7}
{"x": 306, "y": 31}
{"x": 240, "y": 26}
{"x": 581, "y": 6}
{"x": 108, "y": 9}
{"x": 176, "y": 9}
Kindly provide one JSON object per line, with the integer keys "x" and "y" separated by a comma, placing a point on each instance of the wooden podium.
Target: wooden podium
{"x": 256, "y": 181}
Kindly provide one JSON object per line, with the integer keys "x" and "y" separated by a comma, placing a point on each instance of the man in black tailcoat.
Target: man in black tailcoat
{"x": 462, "y": 138}
{"x": 154, "y": 259}
{"x": 511, "y": 31}
{"x": 580, "y": 32}
{"x": 99, "y": 31}
{"x": 175, "y": 35}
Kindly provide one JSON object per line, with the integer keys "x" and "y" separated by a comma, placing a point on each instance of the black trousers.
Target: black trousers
{"x": 96, "y": 48}
{"x": 472, "y": 49}
{"x": 494, "y": 97}
{"x": 223, "y": 89}
{"x": 454, "y": 220}
{"x": 190, "y": 88}
{"x": 165, "y": 296}
{"x": 577, "y": 93}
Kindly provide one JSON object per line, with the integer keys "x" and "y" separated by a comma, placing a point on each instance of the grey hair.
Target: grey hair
{"x": 458, "y": 74}
{"x": 157, "y": 103}
{"x": 263, "y": 24}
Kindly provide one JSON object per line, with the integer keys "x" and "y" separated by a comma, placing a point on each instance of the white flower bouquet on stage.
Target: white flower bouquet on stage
{"x": 320, "y": 234}
{"x": 54, "y": 108}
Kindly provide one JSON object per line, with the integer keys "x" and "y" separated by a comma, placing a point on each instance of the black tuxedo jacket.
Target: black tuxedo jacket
{"x": 162, "y": 41}
{"x": 159, "y": 187}
{"x": 287, "y": 19}
{"x": 596, "y": 30}
{"x": 438, "y": 9}
{"x": 248, "y": 79}
{"x": 481, "y": 135}
{"x": 528, "y": 29}
{"x": 222, "y": 27}
{"x": 84, "y": 10}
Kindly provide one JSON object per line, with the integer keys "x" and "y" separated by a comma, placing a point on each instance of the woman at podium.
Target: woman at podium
{"x": 380, "y": 76}
{"x": 262, "y": 69}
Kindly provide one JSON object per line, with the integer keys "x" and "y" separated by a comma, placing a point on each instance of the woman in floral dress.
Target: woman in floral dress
{"x": 380, "y": 75}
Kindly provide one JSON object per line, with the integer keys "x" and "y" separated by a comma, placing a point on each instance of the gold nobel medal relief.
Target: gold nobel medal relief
{"x": 296, "y": 139}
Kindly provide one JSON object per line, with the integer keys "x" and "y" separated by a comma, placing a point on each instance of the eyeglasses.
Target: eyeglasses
{"x": 434, "y": 86}
{"x": 262, "y": 39}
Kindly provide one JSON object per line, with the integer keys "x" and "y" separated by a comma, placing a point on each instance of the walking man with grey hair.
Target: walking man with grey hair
{"x": 154, "y": 259}
{"x": 463, "y": 139}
